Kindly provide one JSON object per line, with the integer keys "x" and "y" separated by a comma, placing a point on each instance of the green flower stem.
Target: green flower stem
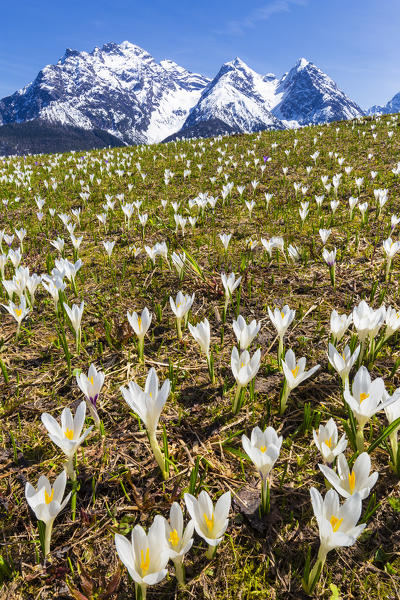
{"x": 179, "y": 571}
{"x": 78, "y": 338}
{"x": 210, "y": 365}
{"x": 395, "y": 445}
{"x": 237, "y": 401}
{"x": 225, "y": 309}
{"x": 74, "y": 286}
{"x": 283, "y": 397}
{"x": 362, "y": 352}
{"x": 388, "y": 266}
{"x": 211, "y": 551}
{"x": 47, "y": 537}
{"x": 265, "y": 497}
{"x": 360, "y": 439}
{"x": 319, "y": 565}
{"x": 332, "y": 273}
{"x": 140, "y": 591}
{"x": 69, "y": 467}
{"x": 179, "y": 328}
{"x": 141, "y": 348}
{"x": 158, "y": 455}
{"x": 280, "y": 352}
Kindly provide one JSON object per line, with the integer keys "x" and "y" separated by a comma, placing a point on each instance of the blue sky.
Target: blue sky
{"x": 357, "y": 42}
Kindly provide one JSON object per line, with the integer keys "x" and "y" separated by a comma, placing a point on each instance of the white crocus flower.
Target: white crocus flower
{"x": 352, "y": 204}
{"x": 293, "y": 253}
{"x": 347, "y": 482}
{"x": 281, "y": 319}
{"x": 32, "y": 284}
{"x": 53, "y": 285}
{"x": 244, "y": 369}
{"x": 367, "y": 322}
{"x": 210, "y": 522}
{"x": 343, "y": 363}
{"x": 140, "y": 326}
{"x": 202, "y": 334}
{"x": 74, "y": 314}
{"x": 152, "y": 253}
{"x": 295, "y": 374}
{"x": 21, "y": 233}
{"x": 324, "y": 235}
{"x": 148, "y": 404}
{"x": 263, "y": 449}
{"x": 146, "y": 556}
{"x": 108, "y": 247}
{"x": 230, "y": 284}
{"x": 180, "y": 308}
{"x": 245, "y": 334}
{"x": 47, "y": 502}
{"x": 18, "y": 311}
{"x": 329, "y": 257}
{"x": 337, "y": 525}
{"x": 178, "y": 260}
{"x": 59, "y": 244}
{"x": 178, "y": 539}
{"x": 363, "y": 209}
{"x": 326, "y": 440}
{"x": 365, "y": 400}
{"x": 90, "y": 385}
{"x": 391, "y": 248}
{"x": 392, "y": 322}
{"x": 339, "y": 325}
{"x": 67, "y": 436}
{"x": 225, "y": 239}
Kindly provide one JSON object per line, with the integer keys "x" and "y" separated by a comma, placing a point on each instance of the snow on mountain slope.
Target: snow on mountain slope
{"x": 122, "y": 90}
{"x": 393, "y": 106}
{"x": 119, "y": 88}
{"x": 307, "y": 95}
{"x": 239, "y": 97}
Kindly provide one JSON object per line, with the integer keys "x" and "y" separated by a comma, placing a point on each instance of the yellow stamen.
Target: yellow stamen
{"x": 174, "y": 538}
{"x": 335, "y": 522}
{"x": 209, "y": 522}
{"x": 363, "y": 397}
{"x": 48, "y": 498}
{"x": 328, "y": 442}
{"x": 263, "y": 449}
{"x": 139, "y": 323}
{"x": 295, "y": 371}
{"x": 18, "y": 311}
{"x": 145, "y": 563}
{"x": 69, "y": 433}
{"x": 352, "y": 481}
{"x": 91, "y": 380}
{"x": 282, "y": 315}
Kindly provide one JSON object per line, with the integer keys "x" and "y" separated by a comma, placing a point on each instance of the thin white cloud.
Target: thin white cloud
{"x": 263, "y": 13}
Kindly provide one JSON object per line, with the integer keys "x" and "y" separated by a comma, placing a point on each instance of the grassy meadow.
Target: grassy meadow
{"x": 118, "y": 482}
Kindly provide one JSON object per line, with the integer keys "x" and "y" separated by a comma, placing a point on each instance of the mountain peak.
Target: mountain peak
{"x": 238, "y": 62}
{"x": 301, "y": 64}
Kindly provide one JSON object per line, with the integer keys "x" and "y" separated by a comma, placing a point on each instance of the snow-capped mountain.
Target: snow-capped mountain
{"x": 307, "y": 95}
{"x": 239, "y": 97}
{"x": 119, "y": 88}
{"x": 393, "y": 106}
{"x": 248, "y": 101}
